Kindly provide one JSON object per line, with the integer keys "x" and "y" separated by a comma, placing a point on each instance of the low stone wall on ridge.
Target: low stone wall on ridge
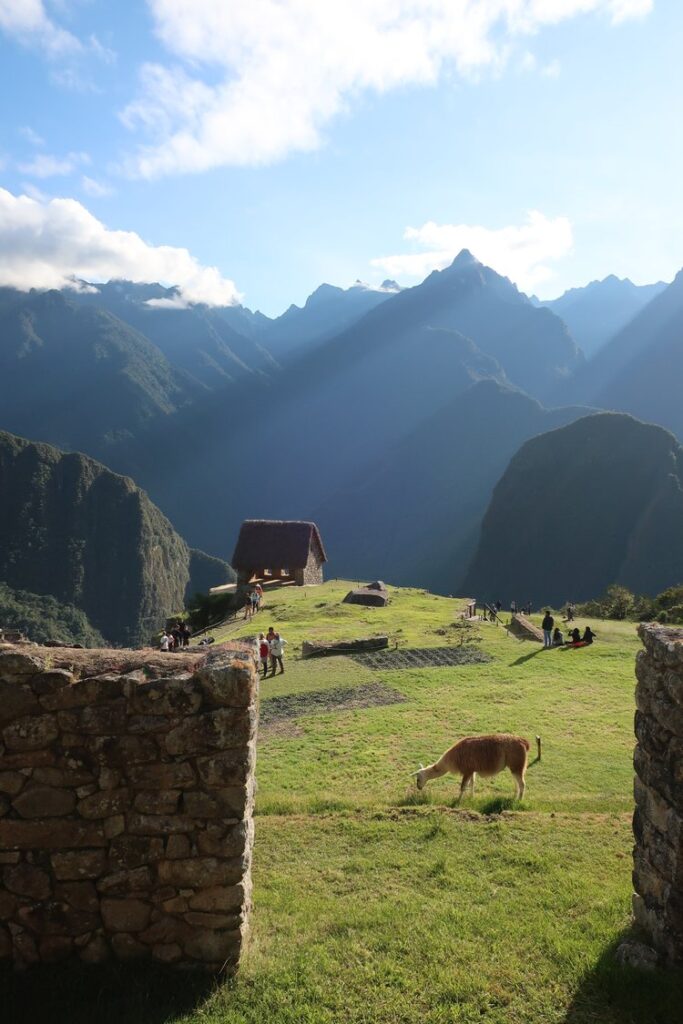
{"x": 658, "y": 818}
{"x": 126, "y": 800}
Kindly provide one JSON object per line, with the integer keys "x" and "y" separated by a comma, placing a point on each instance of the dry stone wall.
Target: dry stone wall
{"x": 658, "y": 818}
{"x": 126, "y": 798}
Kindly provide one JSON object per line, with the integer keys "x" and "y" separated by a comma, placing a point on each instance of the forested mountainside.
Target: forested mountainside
{"x": 42, "y": 618}
{"x": 596, "y": 312}
{"x": 79, "y": 377}
{"x": 596, "y": 502}
{"x": 413, "y": 515}
{"x": 74, "y": 530}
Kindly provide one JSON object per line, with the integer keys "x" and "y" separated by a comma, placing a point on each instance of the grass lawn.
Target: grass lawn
{"x": 375, "y": 904}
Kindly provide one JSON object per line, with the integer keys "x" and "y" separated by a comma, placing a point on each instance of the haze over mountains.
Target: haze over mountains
{"x": 388, "y": 414}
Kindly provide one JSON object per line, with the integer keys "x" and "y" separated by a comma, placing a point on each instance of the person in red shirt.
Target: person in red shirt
{"x": 264, "y": 653}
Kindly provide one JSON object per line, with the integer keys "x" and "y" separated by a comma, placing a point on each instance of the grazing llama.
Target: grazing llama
{"x": 483, "y": 755}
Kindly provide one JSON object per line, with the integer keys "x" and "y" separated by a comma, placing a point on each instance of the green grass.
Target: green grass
{"x": 375, "y": 904}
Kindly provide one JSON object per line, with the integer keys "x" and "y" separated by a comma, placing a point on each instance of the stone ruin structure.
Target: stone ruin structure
{"x": 658, "y": 818}
{"x": 126, "y": 798}
{"x": 278, "y": 551}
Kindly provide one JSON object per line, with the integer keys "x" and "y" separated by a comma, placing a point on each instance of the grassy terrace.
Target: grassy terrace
{"x": 374, "y": 905}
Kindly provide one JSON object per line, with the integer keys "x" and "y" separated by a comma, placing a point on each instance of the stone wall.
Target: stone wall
{"x": 312, "y": 573}
{"x": 126, "y": 797}
{"x": 658, "y": 818}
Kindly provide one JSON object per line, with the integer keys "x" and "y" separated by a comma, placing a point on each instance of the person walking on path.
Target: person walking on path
{"x": 277, "y": 650}
{"x": 264, "y": 653}
{"x": 259, "y": 591}
{"x": 513, "y": 607}
{"x": 547, "y": 627}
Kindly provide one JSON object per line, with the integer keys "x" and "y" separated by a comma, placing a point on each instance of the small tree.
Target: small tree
{"x": 465, "y": 633}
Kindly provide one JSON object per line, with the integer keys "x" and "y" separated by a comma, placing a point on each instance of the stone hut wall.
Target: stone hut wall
{"x": 658, "y": 818}
{"x": 126, "y": 797}
{"x": 312, "y": 573}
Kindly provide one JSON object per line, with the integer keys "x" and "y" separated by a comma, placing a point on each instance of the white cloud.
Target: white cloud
{"x": 255, "y": 81}
{"x": 29, "y": 23}
{"x": 54, "y": 243}
{"x": 45, "y": 165}
{"x": 94, "y": 188}
{"x": 520, "y": 252}
{"x": 33, "y": 137}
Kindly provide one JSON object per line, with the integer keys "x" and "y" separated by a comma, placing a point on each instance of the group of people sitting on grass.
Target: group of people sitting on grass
{"x": 554, "y": 637}
{"x": 271, "y": 648}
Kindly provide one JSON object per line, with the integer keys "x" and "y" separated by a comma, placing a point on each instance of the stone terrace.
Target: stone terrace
{"x": 126, "y": 799}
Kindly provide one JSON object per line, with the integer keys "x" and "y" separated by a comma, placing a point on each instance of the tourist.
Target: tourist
{"x": 277, "y": 650}
{"x": 558, "y": 637}
{"x": 499, "y": 605}
{"x": 177, "y": 636}
{"x": 186, "y": 633}
{"x": 254, "y": 598}
{"x": 547, "y": 627}
{"x": 259, "y": 590}
{"x": 164, "y": 642}
{"x": 575, "y": 636}
{"x": 588, "y": 636}
{"x": 513, "y": 607}
{"x": 264, "y": 653}
{"x": 248, "y": 608}
{"x": 570, "y": 612}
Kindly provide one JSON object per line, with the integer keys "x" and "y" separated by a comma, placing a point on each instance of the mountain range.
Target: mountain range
{"x": 388, "y": 415}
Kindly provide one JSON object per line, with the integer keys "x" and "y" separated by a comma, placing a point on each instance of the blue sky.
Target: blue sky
{"x": 260, "y": 147}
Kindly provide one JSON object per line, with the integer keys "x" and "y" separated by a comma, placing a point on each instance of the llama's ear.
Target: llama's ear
{"x": 420, "y": 769}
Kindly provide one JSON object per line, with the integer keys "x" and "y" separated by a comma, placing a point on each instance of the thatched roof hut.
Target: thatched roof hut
{"x": 279, "y": 549}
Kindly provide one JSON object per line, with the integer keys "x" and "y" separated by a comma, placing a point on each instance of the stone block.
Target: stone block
{"x": 47, "y": 683}
{"x": 214, "y": 730}
{"x": 127, "y": 852}
{"x": 55, "y": 918}
{"x": 200, "y": 871}
{"x": 177, "y": 697}
{"x": 53, "y": 834}
{"x": 104, "y": 804}
{"x": 53, "y": 948}
{"x": 167, "y": 953}
{"x": 12, "y": 783}
{"x": 74, "y": 865}
{"x": 231, "y": 768}
{"x": 44, "y": 802}
{"x": 63, "y": 777}
{"x": 123, "y": 883}
{"x": 125, "y": 915}
{"x": 57, "y": 695}
{"x": 178, "y": 847}
{"x": 95, "y": 951}
{"x": 159, "y": 824}
{"x": 27, "y": 880}
{"x": 30, "y": 733}
{"x": 127, "y": 947}
{"x": 218, "y": 898}
{"x": 171, "y": 775}
{"x": 122, "y": 751}
{"x": 157, "y": 801}
{"x": 18, "y": 667}
{"x": 214, "y": 946}
{"x": 228, "y": 684}
{"x": 81, "y": 895}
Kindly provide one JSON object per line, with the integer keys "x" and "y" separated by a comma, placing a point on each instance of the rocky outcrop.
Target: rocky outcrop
{"x": 126, "y": 801}
{"x": 313, "y": 649}
{"x": 90, "y": 538}
{"x": 658, "y": 818}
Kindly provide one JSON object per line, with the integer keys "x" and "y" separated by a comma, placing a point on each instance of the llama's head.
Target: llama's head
{"x": 420, "y": 776}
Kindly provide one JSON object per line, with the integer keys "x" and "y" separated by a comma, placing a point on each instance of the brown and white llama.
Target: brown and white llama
{"x": 481, "y": 755}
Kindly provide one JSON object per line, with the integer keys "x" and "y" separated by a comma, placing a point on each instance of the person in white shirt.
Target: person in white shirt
{"x": 164, "y": 641}
{"x": 277, "y": 650}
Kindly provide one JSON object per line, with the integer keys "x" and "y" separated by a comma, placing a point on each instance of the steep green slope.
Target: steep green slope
{"x": 597, "y": 502}
{"x": 79, "y": 377}
{"x": 41, "y": 617}
{"x": 74, "y": 530}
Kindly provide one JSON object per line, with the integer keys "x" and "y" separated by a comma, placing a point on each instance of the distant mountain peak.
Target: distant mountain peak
{"x": 464, "y": 259}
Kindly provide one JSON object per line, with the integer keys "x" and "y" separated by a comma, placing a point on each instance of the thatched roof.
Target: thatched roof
{"x": 276, "y": 544}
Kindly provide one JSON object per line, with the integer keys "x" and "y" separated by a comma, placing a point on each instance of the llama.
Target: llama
{"x": 483, "y": 755}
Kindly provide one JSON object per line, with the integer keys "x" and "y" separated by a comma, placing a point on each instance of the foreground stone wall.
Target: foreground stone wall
{"x": 126, "y": 797}
{"x": 658, "y": 819}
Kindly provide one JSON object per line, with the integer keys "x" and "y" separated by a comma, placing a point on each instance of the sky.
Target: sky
{"x": 248, "y": 150}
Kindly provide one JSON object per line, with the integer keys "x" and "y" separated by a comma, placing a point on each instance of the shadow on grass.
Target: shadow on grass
{"x": 612, "y": 994}
{"x": 119, "y": 994}
{"x": 527, "y": 657}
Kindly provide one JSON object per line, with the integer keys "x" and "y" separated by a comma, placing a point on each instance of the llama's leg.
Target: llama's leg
{"x": 466, "y": 779}
{"x": 474, "y": 776}
{"x": 519, "y": 784}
